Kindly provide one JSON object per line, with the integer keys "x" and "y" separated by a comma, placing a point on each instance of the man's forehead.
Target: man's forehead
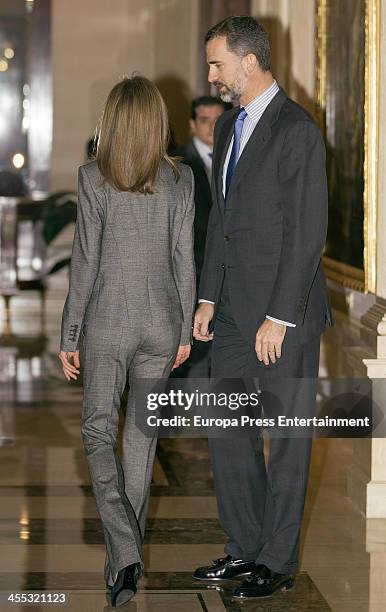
{"x": 206, "y": 109}
{"x": 217, "y": 45}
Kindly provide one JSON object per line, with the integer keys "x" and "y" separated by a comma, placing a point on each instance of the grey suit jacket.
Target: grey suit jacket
{"x": 132, "y": 258}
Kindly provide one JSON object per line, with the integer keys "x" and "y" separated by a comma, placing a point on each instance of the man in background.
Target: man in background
{"x": 197, "y": 154}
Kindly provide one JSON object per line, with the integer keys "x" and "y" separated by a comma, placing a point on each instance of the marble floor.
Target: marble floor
{"x": 51, "y": 539}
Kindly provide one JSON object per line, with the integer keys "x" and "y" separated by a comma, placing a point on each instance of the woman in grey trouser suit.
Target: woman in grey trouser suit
{"x": 131, "y": 298}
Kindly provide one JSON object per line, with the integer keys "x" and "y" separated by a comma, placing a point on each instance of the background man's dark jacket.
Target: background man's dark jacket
{"x": 271, "y": 240}
{"x": 202, "y": 199}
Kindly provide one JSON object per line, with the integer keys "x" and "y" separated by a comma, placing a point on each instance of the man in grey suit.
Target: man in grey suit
{"x": 131, "y": 299}
{"x": 263, "y": 300}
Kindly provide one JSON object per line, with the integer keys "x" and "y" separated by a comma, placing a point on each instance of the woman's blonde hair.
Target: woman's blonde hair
{"x": 133, "y": 136}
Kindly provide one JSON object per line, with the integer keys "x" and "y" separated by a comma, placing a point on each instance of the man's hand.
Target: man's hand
{"x": 182, "y": 355}
{"x": 70, "y": 370}
{"x": 269, "y": 339}
{"x": 202, "y": 318}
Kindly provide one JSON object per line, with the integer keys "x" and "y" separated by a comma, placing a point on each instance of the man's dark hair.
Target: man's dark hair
{"x": 244, "y": 35}
{"x": 206, "y": 101}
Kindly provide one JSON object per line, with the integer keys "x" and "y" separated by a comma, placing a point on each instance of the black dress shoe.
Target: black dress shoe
{"x": 125, "y": 585}
{"x": 263, "y": 582}
{"x": 224, "y": 568}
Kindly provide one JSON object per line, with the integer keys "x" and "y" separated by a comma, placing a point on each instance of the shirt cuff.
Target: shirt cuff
{"x": 205, "y": 302}
{"x": 281, "y": 322}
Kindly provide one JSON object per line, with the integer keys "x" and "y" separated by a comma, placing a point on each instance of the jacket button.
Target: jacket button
{"x": 227, "y": 237}
{"x": 223, "y": 266}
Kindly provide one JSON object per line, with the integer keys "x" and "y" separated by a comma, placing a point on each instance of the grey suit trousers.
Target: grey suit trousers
{"x": 121, "y": 487}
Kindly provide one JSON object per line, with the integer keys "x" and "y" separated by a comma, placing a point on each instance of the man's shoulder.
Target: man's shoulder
{"x": 187, "y": 151}
{"x": 293, "y": 113}
{"x": 298, "y": 125}
{"x": 191, "y": 157}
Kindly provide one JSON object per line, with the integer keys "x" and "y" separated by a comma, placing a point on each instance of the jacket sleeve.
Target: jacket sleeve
{"x": 214, "y": 244}
{"x": 84, "y": 262}
{"x": 184, "y": 266}
{"x": 212, "y": 263}
{"x": 302, "y": 175}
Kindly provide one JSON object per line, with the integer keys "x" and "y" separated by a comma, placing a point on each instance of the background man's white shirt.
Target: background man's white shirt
{"x": 205, "y": 152}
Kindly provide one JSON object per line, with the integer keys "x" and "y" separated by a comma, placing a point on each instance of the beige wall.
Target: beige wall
{"x": 291, "y": 26}
{"x": 176, "y": 42}
{"x": 94, "y": 43}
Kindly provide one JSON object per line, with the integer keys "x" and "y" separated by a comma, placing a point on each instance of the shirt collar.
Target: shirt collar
{"x": 257, "y": 106}
{"x": 203, "y": 149}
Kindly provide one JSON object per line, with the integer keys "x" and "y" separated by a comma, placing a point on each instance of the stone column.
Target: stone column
{"x": 374, "y": 320}
{"x": 375, "y": 323}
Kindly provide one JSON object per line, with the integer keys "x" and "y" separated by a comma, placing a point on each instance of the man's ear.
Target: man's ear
{"x": 249, "y": 62}
{"x": 192, "y": 125}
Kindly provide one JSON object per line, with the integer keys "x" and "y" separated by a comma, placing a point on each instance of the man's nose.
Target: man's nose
{"x": 211, "y": 75}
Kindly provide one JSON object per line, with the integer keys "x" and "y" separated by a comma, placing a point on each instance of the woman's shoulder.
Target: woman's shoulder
{"x": 93, "y": 174}
{"x": 185, "y": 174}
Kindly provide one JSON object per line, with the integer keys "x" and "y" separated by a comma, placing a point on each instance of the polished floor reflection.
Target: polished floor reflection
{"x": 51, "y": 537}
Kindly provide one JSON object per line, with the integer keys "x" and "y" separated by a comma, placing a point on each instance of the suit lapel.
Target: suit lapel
{"x": 224, "y": 140}
{"x": 251, "y": 152}
{"x": 194, "y": 154}
{"x": 198, "y": 162}
{"x": 258, "y": 139}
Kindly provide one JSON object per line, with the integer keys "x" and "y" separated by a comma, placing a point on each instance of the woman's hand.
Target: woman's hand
{"x": 69, "y": 369}
{"x": 202, "y": 318}
{"x": 182, "y": 355}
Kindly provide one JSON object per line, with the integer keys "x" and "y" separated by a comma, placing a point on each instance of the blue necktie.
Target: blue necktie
{"x": 235, "y": 149}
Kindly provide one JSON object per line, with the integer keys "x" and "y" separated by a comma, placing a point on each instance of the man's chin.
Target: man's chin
{"x": 225, "y": 97}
